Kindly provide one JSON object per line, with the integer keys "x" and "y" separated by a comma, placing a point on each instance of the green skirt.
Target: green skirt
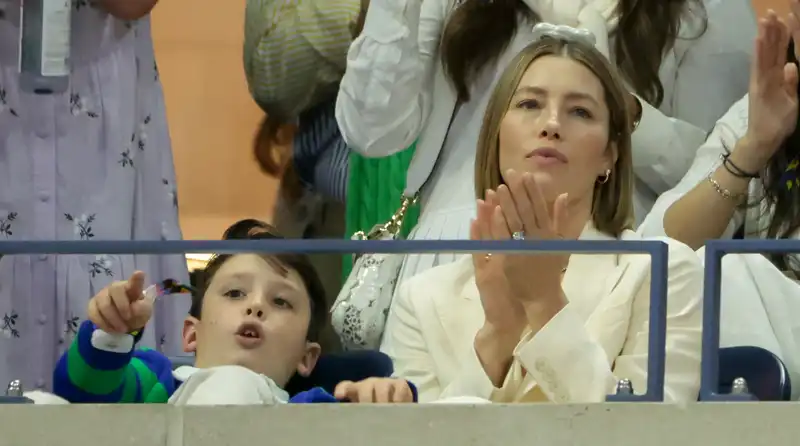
{"x": 374, "y": 192}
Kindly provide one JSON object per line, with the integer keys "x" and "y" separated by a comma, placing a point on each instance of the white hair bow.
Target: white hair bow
{"x": 563, "y": 32}
{"x": 595, "y": 16}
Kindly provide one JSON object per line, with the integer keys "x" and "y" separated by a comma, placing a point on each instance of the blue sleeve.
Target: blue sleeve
{"x": 413, "y": 390}
{"x": 315, "y": 395}
{"x": 103, "y": 368}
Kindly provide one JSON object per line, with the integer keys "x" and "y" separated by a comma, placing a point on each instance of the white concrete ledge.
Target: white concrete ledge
{"x": 619, "y": 424}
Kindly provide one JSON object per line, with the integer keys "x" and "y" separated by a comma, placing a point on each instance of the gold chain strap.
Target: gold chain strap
{"x": 391, "y": 227}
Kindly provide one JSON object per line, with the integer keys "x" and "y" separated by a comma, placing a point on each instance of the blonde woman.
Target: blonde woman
{"x": 553, "y": 162}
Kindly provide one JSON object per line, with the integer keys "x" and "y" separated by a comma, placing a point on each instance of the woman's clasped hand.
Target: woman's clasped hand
{"x": 519, "y": 290}
{"x": 523, "y": 214}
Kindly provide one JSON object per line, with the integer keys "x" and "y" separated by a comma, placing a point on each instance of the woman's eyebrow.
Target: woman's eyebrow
{"x": 573, "y": 95}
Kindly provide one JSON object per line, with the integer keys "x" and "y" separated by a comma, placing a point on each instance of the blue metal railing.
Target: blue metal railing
{"x": 657, "y": 250}
{"x": 715, "y": 250}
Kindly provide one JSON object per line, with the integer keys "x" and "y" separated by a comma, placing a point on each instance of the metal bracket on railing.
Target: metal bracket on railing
{"x": 740, "y": 386}
{"x": 624, "y": 392}
{"x": 658, "y": 251}
{"x": 14, "y": 394}
{"x": 741, "y": 391}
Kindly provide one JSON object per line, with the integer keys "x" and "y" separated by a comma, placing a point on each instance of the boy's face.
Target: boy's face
{"x": 256, "y": 315}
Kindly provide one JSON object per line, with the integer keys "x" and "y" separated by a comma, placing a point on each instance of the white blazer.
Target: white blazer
{"x": 601, "y": 336}
{"x": 394, "y": 90}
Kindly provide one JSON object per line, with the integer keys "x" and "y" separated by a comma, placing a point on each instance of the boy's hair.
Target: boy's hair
{"x": 258, "y": 230}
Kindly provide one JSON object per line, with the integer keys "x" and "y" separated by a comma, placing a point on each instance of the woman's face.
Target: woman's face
{"x": 556, "y": 127}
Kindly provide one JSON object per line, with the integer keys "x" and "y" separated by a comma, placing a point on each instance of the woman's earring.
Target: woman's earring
{"x": 604, "y": 178}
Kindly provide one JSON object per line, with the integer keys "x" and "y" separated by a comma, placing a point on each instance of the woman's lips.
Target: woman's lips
{"x": 548, "y": 155}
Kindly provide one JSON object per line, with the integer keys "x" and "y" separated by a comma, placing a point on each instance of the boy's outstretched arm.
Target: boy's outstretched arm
{"x": 102, "y": 364}
{"x": 102, "y": 367}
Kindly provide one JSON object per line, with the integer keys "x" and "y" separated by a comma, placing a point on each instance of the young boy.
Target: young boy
{"x": 252, "y": 327}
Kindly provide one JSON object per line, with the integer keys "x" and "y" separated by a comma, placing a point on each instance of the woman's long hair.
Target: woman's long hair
{"x": 783, "y": 202}
{"x": 478, "y": 31}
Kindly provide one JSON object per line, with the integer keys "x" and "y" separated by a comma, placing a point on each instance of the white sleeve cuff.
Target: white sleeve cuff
{"x": 561, "y": 357}
{"x": 112, "y": 342}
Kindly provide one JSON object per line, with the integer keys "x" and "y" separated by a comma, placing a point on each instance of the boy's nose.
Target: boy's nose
{"x": 255, "y": 312}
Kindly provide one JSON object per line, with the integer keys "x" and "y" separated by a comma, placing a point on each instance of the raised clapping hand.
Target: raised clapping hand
{"x": 516, "y": 291}
{"x": 773, "y": 88}
{"x": 503, "y": 313}
{"x": 534, "y": 280}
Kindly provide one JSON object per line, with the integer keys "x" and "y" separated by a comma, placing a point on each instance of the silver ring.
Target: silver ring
{"x": 518, "y": 235}
{"x": 488, "y": 256}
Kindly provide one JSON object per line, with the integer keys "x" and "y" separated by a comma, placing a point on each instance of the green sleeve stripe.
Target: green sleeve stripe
{"x": 129, "y": 391}
{"x": 147, "y": 379}
{"x": 89, "y": 379}
{"x": 157, "y": 395}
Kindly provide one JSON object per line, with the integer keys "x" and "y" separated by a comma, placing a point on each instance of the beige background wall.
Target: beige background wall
{"x": 212, "y": 118}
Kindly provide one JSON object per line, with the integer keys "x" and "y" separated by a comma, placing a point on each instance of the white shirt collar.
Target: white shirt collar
{"x": 183, "y": 373}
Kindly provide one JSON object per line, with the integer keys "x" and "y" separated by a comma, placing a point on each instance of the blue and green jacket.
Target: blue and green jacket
{"x": 104, "y": 368}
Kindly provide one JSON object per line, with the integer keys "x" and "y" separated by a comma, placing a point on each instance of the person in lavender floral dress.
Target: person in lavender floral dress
{"x": 94, "y": 163}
